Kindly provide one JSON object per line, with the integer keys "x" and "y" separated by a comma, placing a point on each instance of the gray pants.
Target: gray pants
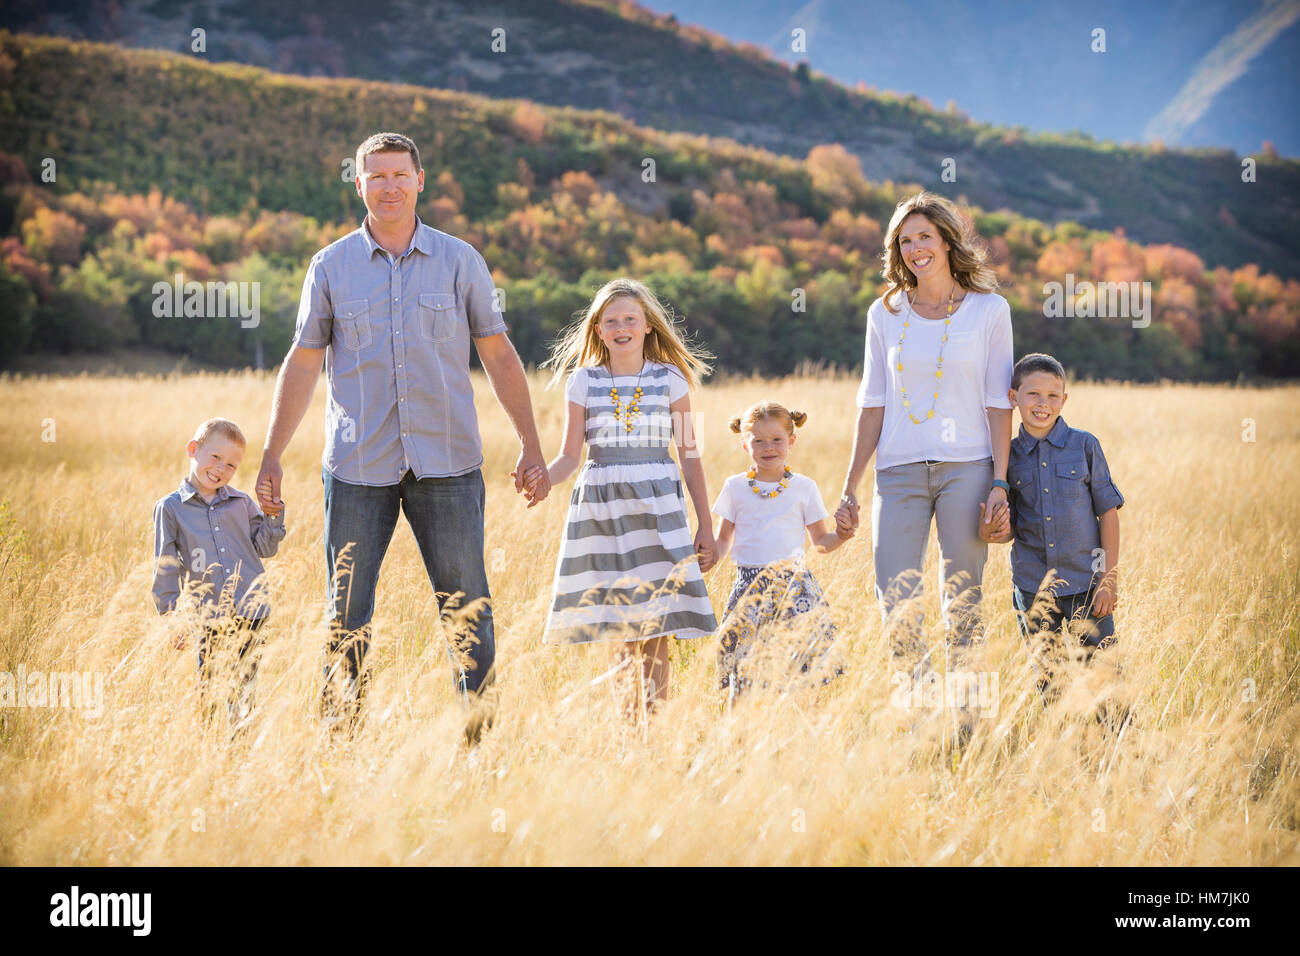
{"x": 906, "y": 498}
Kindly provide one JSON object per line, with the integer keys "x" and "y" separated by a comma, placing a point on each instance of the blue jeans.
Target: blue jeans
{"x": 446, "y": 516}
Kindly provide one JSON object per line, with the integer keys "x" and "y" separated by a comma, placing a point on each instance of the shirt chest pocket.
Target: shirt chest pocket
{"x": 352, "y": 324}
{"x": 439, "y": 317}
{"x": 1024, "y": 485}
{"x": 1072, "y": 479}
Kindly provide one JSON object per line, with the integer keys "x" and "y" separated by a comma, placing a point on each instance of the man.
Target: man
{"x": 391, "y": 309}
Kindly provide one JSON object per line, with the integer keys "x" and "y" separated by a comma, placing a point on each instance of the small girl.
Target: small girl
{"x": 766, "y": 512}
{"x": 627, "y": 569}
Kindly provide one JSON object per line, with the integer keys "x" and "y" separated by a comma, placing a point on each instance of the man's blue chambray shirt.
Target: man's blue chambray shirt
{"x": 218, "y": 544}
{"x": 1060, "y": 485}
{"x": 397, "y": 333}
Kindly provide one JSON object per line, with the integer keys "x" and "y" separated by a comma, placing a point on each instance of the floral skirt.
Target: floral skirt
{"x": 783, "y": 602}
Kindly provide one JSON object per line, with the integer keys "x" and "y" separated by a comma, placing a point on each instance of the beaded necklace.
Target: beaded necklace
{"x": 938, "y": 368}
{"x": 781, "y": 485}
{"x": 626, "y": 413}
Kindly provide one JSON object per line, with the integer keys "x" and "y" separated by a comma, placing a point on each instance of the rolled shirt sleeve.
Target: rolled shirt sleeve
{"x": 875, "y": 376}
{"x": 479, "y": 293}
{"x": 315, "y": 311}
{"x": 167, "y": 559}
{"x": 1104, "y": 493}
{"x": 1000, "y": 359}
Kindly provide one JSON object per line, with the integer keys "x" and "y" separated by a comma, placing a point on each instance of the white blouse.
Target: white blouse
{"x": 977, "y": 364}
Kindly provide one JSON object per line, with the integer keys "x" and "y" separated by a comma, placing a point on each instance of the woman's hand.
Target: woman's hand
{"x": 997, "y": 530}
{"x": 997, "y": 499}
{"x": 844, "y": 524}
{"x": 849, "y": 506}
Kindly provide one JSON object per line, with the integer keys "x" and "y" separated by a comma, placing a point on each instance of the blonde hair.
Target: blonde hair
{"x": 967, "y": 260}
{"x": 744, "y": 424}
{"x": 220, "y": 426}
{"x": 579, "y": 344}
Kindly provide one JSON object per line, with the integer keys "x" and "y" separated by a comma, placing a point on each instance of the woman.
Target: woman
{"x": 933, "y": 409}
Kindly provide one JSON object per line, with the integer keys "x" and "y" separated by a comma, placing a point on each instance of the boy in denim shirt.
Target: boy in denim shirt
{"x": 210, "y": 537}
{"x": 1062, "y": 513}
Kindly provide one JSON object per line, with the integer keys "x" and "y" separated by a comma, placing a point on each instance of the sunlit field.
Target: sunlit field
{"x": 1204, "y": 773}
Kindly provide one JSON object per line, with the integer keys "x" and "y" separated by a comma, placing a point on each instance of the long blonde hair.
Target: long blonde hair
{"x": 579, "y": 344}
{"x": 967, "y": 260}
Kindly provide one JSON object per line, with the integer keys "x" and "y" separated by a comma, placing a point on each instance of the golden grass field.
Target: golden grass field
{"x": 1209, "y": 620}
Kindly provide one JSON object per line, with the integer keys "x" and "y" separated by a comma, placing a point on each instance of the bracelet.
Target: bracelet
{"x": 999, "y": 483}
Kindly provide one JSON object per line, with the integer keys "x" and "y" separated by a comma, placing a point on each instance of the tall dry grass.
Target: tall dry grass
{"x": 1206, "y": 773}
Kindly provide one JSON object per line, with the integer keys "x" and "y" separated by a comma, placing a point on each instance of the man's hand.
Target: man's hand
{"x": 530, "y": 464}
{"x": 268, "y": 486}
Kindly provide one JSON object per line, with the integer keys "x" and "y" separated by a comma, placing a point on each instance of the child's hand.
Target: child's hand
{"x": 179, "y": 636}
{"x": 1104, "y": 598}
{"x": 265, "y": 496}
{"x": 532, "y": 477}
{"x": 844, "y": 524}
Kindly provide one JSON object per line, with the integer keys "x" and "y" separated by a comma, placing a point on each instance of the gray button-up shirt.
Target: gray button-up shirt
{"x": 1060, "y": 485}
{"x": 218, "y": 544}
{"x": 398, "y": 335}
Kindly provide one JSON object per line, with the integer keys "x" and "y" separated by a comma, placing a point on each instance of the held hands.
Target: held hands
{"x": 845, "y": 527}
{"x": 532, "y": 479}
{"x": 995, "y": 525}
{"x": 268, "y": 487}
{"x": 706, "y": 548}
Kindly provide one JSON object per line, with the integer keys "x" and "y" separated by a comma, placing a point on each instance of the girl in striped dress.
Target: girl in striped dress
{"x": 629, "y": 571}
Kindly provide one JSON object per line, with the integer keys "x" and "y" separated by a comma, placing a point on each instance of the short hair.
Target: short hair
{"x": 1036, "y": 362}
{"x": 744, "y": 424}
{"x": 387, "y": 143}
{"x": 220, "y": 426}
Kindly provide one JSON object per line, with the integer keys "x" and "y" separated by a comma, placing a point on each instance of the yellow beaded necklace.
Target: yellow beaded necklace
{"x": 628, "y": 412}
{"x": 938, "y": 368}
{"x": 781, "y": 485}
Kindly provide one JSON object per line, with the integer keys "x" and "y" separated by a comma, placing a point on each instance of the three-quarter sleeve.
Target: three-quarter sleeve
{"x": 482, "y": 306}
{"x": 1000, "y": 359}
{"x": 875, "y": 374}
{"x": 315, "y": 323}
{"x": 266, "y": 531}
{"x": 167, "y": 557}
{"x": 1104, "y": 493}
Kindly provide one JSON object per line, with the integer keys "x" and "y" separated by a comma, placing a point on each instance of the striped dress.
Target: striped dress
{"x": 627, "y": 568}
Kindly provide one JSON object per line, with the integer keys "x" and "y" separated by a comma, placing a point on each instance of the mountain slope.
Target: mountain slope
{"x": 623, "y": 58}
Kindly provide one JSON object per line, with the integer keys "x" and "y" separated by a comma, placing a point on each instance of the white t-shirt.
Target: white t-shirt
{"x": 769, "y": 529}
{"x": 977, "y": 363}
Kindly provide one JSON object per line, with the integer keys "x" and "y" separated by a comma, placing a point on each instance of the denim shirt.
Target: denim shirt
{"x": 217, "y": 545}
{"x": 1060, "y": 485}
{"x": 397, "y": 333}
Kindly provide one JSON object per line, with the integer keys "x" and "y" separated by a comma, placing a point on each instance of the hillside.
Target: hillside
{"x": 166, "y": 164}
{"x": 622, "y": 58}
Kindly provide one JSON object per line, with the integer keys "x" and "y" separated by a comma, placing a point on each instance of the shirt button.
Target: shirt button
{"x": 222, "y": 549}
{"x": 1047, "y": 491}
{"x": 1051, "y": 544}
{"x": 1049, "y": 518}
{"x": 1044, "y": 464}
